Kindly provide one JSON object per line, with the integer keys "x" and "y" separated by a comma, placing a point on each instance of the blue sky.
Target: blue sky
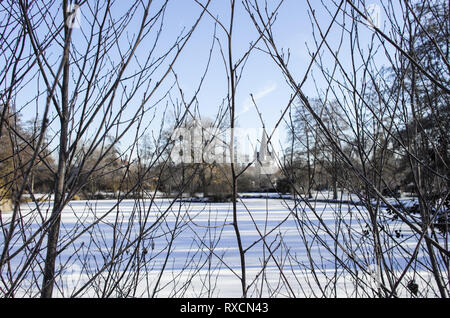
{"x": 261, "y": 77}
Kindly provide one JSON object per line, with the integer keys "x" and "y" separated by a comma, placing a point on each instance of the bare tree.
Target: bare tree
{"x": 101, "y": 82}
{"x": 350, "y": 85}
{"x": 88, "y": 87}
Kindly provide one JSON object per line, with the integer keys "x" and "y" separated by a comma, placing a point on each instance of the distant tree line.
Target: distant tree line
{"x": 395, "y": 130}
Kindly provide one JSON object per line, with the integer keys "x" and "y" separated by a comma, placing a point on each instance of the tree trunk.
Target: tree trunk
{"x": 55, "y": 218}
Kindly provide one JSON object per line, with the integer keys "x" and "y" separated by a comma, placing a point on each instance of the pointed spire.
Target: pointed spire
{"x": 263, "y": 150}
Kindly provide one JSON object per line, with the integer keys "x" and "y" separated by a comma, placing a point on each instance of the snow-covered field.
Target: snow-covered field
{"x": 189, "y": 249}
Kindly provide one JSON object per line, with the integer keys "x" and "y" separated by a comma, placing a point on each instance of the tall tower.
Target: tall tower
{"x": 265, "y": 162}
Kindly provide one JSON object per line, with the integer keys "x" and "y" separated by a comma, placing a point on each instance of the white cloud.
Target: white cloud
{"x": 258, "y": 96}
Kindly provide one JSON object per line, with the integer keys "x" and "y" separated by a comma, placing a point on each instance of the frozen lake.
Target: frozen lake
{"x": 165, "y": 248}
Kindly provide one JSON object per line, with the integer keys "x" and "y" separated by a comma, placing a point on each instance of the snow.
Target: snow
{"x": 203, "y": 260}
